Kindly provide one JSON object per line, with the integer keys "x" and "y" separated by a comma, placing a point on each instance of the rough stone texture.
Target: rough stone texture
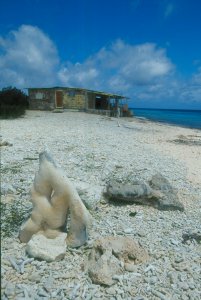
{"x": 47, "y": 249}
{"x": 93, "y": 149}
{"x": 103, "y": 266}
{"x": 164, "y": 193}
{"x": 90, "y": 195}
{"x": 110, "y": 254}
{"x": 189, "y": 236}
{"x": 157, "y": 193}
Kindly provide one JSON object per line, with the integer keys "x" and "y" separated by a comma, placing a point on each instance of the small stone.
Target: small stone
{"x": 178, "y": 260}
{"x": 35, "y": 277}
{"x": 184, "y": 286}
{"x": 141, "y": 233}
{"x": 111, "y": 291}
{"x": 128, "y": 230}
{"x": 130, "y": 267}
{"x": 174, "y": 242}
{"x": 47, "y": 249}
{"x": 42, "y": 293}
{"x": 172, "y": 276}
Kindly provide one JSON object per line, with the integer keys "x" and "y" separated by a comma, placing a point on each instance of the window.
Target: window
{"x": 71, "y": 93}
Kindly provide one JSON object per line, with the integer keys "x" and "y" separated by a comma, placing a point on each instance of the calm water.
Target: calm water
{"x": 186, "y": 118}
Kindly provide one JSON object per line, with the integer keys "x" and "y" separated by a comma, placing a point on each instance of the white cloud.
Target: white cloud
{"x": 28, "y": 57}
{"x": 121, "y": 66}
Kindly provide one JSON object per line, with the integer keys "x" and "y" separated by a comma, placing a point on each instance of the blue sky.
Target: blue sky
{"x": 148, "y": 50}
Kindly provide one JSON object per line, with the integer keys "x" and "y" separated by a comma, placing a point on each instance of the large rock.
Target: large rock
{"x": 90, "y": 195}
{"x": 165, "y": 194}
{"x": 157, "y": 193}
{"x": 47, "y": 249}
{"x": 110, "y": 254}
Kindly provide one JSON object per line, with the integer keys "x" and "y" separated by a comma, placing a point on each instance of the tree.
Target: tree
{"x": 13, "y": 103}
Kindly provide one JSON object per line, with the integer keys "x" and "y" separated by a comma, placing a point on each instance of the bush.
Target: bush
{"x": 12, "y": 216}
{"x": 13, "y": 103}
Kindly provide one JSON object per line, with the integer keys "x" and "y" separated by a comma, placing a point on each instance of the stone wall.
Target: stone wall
{"x": 42, "y": 99}
{"x": 74, "y": 101}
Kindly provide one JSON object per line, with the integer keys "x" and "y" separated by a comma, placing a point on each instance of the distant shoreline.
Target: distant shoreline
{"x": 182, "y": 118}
{"x": 165, "y": 123}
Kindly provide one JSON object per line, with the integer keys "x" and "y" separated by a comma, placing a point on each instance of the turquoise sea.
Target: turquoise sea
{"x": 185, "y": 118}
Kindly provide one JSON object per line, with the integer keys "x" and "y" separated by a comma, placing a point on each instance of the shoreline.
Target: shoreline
{"x": 167, "y": 116}
{"x": 166, "y": 123}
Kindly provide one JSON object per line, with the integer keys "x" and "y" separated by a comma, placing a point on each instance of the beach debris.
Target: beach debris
{"x": 19, "y": 265}
{"x": 5, "y": 143}
{"x": 157, "y": 193}
{"x": 191, "y": 140}
{"x": 47, "y": 249}
{"x": 109, "y": 257}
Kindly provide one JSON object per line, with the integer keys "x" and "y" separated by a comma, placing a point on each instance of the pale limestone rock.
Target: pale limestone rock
{"x": 47, "y": 249}
{"x": 110, "y": 254}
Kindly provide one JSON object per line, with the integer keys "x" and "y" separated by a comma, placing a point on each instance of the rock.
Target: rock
{"x": 164, "y": 193}
{"x": 189, "y": 236}
{"x": 128, "y": 230}
{"x": 157, "y": 193}
{"x": 184, "y": 286}
{"x": 35, "y": 277}
{"x": 137, "y": 192}
{"x": 90, "y": 195}
{"x": 109, "y": 253}
{"x": 5, "y": 143}
{"x": 7, "y": 189}
{"x": 102, "y": 267}
{"x": 130, "y": 267}
{"x": 47, "y": 249}
{"x": 111, "y": 291}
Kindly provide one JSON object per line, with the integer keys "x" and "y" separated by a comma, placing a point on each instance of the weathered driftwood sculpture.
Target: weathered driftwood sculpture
{"x": 53, "y": 196}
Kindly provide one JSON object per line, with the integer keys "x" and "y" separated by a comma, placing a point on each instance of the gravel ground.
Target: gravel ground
{"x": 92, "y": 150}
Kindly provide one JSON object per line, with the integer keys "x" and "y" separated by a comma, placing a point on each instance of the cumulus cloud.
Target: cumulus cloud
{"x": 27, "y": 58}
{"x": 120, "y": 66}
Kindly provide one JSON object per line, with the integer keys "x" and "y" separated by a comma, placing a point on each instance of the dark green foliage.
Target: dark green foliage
{"x": 12, "y": 216}
{"x": 13, "y": 103}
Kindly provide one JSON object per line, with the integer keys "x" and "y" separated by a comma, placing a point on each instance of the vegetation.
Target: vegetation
{"x": 13, "y": 103}
{"x": 12, "y": 216}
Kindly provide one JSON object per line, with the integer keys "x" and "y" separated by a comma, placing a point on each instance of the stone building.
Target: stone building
{"x": 60, "y": 98}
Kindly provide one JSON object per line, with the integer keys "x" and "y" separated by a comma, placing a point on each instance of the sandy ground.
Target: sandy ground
{"x": 92, "y": 149}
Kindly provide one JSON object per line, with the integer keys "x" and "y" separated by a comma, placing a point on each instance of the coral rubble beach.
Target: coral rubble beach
{"x": 92, "y": 150}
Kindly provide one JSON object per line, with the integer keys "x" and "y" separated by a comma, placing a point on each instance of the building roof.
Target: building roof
{"x": 81, "y": 89}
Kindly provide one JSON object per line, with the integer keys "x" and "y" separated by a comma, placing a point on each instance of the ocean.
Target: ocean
{"x": 184, "y": 118}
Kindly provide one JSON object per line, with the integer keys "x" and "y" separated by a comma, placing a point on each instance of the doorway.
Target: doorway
{"x": 59, "y": 99}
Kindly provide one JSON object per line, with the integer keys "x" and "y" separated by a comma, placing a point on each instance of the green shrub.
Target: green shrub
{"x": 13, "y": 103}
{"x": 12, "y": 217}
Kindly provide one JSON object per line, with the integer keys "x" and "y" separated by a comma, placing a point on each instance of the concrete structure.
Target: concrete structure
{"x": 76, "y": 99}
